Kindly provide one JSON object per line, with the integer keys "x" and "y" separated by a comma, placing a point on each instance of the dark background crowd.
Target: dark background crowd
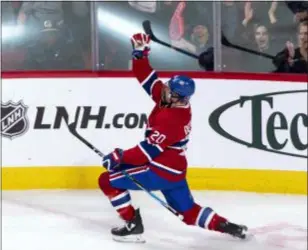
{"x": 95, "y": 35}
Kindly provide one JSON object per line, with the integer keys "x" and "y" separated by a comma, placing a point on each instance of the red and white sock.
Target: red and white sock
{"x": 208, "y": 219}
{"x": 122, "y": 203}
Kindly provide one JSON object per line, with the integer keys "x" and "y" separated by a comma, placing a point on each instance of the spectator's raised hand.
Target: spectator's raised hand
{"x": 271, "y": 12}
{"x": 272, "y": 18}
{"x": 248, "y": 11}
{"x": 291, "y": 52}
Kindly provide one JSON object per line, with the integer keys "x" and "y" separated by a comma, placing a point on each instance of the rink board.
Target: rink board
{"x": 250, "y": 180}
{"x": 248, "y": 135}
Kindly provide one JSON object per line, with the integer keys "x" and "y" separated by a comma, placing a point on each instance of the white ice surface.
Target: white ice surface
{"x": 81, "y": 220}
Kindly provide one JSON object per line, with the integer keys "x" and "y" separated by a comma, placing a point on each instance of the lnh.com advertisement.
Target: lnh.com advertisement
{"x": 236, "y": 123}
{"x": 15, "y": 121}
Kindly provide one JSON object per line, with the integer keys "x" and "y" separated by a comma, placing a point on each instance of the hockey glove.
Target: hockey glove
{"x": 141, "y": 45}
{"x": 113, "y": 159}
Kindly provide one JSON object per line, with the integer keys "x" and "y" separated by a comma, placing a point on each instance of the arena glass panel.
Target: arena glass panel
{"x": 270, "y": 27}
{"x": 187, "y": 25}
{"x": 45, "y": 35}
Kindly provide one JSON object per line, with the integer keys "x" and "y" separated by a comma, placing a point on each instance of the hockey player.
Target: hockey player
{"x": 158, "y": 161}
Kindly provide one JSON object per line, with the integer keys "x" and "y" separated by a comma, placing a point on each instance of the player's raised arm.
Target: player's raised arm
{"x": 142, "y": 69}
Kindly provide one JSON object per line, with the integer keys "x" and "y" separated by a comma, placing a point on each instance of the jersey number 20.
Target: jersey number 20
{"x": 157, "y": 137}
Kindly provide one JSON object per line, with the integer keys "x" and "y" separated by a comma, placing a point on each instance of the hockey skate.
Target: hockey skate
{"x": 238, "y": 231}
{"x": 131, "y": 232}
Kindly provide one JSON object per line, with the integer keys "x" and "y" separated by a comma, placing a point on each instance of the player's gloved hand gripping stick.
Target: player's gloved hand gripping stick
{"x": 73, "y": 131}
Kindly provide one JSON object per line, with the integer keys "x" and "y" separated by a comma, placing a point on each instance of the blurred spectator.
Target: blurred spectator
{"x": 57, "y": 34}
{"x": 190, "y": 29}
{"x": 262, "y": 38}
{"x": 170, "y": 19}
{"x": 299, "y": 9}
{"x": 33, "y": 14}
{"x": 266, "y": 26}
{"x": 273, "y": 14}
{"x": 262, "y": 42}
{"x": 200, "y": 13}
{"x": 292, "y": 60}
{"x": 200, "y": 38}
{"x": 194, "y": 27}
{"x": 37, "y": 12}
{"x": 46, "y": 36}
{"x": 199, "y": 41}
{"x": 52, "y": 51}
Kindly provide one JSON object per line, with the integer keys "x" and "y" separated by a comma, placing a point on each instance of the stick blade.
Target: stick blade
{"x": 148, "y": 30}
{"x": 147, "y": 27}
{"x": 72, "y": 129}
{"x": 71, "y": 126}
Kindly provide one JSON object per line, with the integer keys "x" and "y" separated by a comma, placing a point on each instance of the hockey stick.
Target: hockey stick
{"x": 148, "y": 30}
{"x": 73, "y": 131}
{"x": 224, "y": 41}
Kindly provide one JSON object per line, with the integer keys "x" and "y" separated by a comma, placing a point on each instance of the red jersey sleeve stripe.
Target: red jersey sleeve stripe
{"x": 150, "y": 150}
{"x": 159, "y": 165}
{"x": 149, "y": 82}
{"x": 156, "y": 145}
{"x": 144, "y": 152}
{"x": 142, "y": 69}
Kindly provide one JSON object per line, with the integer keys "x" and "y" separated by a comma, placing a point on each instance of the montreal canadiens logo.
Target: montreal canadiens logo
{"x": 14, "y": 121}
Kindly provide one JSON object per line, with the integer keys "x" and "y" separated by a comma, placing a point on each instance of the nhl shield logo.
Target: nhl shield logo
{"x": 14, "y": 121}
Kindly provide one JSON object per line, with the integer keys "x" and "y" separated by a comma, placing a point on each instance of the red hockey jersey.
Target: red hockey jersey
{"x": 168, "y": 129}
